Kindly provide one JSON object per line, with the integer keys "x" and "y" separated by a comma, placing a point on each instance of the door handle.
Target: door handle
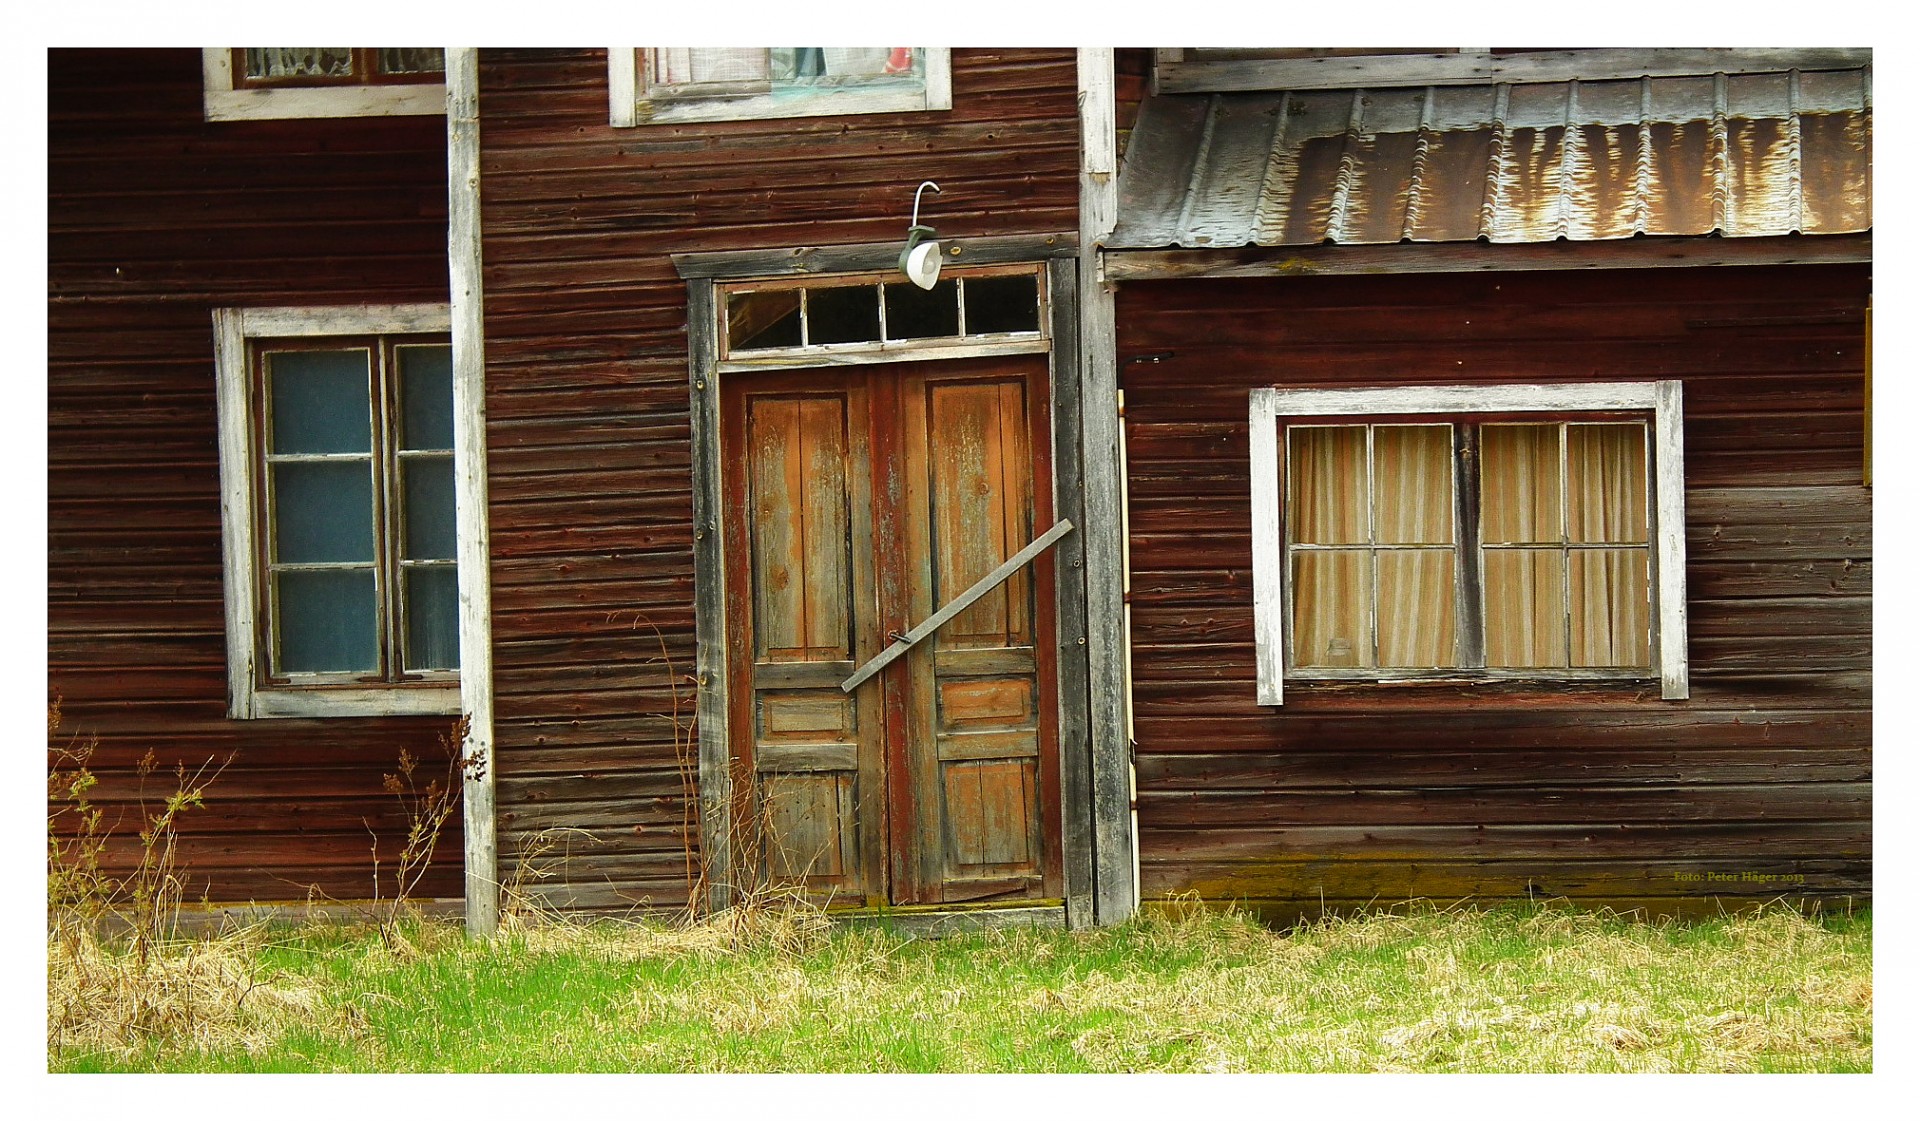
{"x": 904, "y": 642}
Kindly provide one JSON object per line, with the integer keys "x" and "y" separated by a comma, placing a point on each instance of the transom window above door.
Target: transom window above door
{"x": 1396, "y": 541}
{"x": 874, "y": 318}
{"x": 677, "y": 84}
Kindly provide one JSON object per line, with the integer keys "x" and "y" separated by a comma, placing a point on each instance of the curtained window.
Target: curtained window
{"x": 282, "y": 83}
{"x": 332, "y": 66}
{"x": 1503, "y": 544}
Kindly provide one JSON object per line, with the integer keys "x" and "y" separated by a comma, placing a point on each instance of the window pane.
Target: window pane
{"x": 1610, "y": 607}
{"x": 327, "y": 622}
{"x": 843, "y": 315}
{"x": 299, "y": 62}
{"x": 433, "y": 618}
{"x": 1331, "y": 593}
{"x": 1416, "y": 608}
{"x": 1002, "y": 304}
{"x": 1607, "y": 483}
{"x": 1520, "y": 483}
{"x": 428, "y": 508}
{"x": 758, "y": 320}
{"x": 1413, "y": 484}
{"x": 322, "y": 512}
{"x": 321, "y": 401}
{"x": 914, "y": 313}
{"x": 1526, "y": 607}
{"x": 426, "y": 396}
{"x": 412, "y": 60}
{"x": 1327, "y": 485}
{"x": 683, "y": 65}
{"x": 845, "y": 66}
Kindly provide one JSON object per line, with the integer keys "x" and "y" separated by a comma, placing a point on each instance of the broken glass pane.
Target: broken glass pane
{"x": 849, "y": 314}
{"x": 916, "y": 313}
{"x": 1002, "y": 304}
{"x": 763, "y": 320}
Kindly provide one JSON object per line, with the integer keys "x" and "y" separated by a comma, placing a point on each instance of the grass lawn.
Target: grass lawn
{"x": 1535, "y": 988}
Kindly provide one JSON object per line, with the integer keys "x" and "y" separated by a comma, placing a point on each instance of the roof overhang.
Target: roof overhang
{"x": 1754, "y": 155}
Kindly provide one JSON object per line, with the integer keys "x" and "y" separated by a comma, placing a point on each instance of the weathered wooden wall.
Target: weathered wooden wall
{"x": 588, "y": 434}
{"x": 156, "y": 217}
{"x": 1359, "y": 793}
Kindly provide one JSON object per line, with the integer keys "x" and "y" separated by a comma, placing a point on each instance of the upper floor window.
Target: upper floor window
{"x": 337, "y": 463}
{"x": 1494, "y": 532}
{"x": 263, "y": 83}
{"x": 745, "y": 83}
{"x": 337, "y": 66}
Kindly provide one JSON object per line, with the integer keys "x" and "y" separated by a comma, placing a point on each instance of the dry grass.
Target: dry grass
{"x": 773, "y": 988}
{"x": 196, "y": 996}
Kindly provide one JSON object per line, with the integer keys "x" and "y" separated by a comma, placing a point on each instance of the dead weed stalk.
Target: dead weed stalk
{"x": 119, "y": 977}
{"x": 427, "y": 807}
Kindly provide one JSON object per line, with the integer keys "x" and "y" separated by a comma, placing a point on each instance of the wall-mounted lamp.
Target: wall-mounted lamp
{"x": 920, "y": 260}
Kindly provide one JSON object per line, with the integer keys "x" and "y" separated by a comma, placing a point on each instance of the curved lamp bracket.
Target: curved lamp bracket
{"x": 920, "y": 260}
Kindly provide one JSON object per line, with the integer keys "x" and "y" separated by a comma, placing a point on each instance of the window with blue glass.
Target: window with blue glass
{"x": 355, "y": 509}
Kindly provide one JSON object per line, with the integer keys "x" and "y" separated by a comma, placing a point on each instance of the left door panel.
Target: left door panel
{"x": 801, "y": 595}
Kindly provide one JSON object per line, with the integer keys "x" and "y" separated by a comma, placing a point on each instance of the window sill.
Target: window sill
{"x": 420, "y": 100}
{"x": 1322, "y": 694}
{"x": 838, "y": 103}
{"x": 294, "y": 702}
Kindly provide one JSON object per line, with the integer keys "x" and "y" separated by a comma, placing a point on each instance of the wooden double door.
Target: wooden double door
{"x": 859, "y": 501}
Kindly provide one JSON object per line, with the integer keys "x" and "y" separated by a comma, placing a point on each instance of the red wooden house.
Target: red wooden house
{"x": 1311, "y": 478}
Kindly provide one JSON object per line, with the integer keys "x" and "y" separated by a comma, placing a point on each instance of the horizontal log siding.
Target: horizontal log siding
{"x": 588, "y": 431}
{"x": 156, "y": 217}
{"x": 1351, "y": 794}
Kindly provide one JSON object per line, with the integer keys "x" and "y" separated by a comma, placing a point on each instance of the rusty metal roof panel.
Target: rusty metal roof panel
{"x": 1743, "y": 155}
{"x": 1235, "y": 141}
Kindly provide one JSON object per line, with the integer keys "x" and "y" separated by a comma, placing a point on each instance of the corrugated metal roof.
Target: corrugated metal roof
{"x": 1743, "y": 155}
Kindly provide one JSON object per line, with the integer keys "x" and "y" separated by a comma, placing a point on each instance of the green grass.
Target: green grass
{"x": 1507, "y": 989}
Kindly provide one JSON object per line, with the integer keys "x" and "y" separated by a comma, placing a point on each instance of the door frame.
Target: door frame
{"x": 703, "y": 272}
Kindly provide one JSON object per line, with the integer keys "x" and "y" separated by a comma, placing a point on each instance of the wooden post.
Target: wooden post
{"x": 1070, "y": 599}
{"x": 1115, "y": 890}
{"x": 709, "y": 603}
{"x": 470, "y": 495}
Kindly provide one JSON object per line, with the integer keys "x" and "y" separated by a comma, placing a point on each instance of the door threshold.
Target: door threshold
{"x": 939, "y": 920}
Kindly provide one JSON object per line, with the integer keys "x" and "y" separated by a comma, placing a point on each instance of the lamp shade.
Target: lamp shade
{"x": 920, "y": 260}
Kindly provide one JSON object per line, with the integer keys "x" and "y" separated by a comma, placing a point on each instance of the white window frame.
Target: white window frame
{"x": 1267, "y": 408}
{"x": 248, "y": 698}
{"x": 630, "y": 107}
{"x": 225, "y": 103}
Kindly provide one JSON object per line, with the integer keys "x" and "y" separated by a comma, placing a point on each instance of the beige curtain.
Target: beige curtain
{"x": 1387, "y": 601}
{"x": 1551, "y": 599}
{"x": 1607, "y": 504}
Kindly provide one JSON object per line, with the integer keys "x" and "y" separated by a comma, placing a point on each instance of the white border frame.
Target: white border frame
{"x": 627, "y": 109}
{"x": 246, "y": 698}
{"x": 1265, "y": 407}
{"x": 223, "y": 102}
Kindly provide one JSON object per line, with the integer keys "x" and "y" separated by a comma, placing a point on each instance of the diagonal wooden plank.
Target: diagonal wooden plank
{"x": 958, "y": 604}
